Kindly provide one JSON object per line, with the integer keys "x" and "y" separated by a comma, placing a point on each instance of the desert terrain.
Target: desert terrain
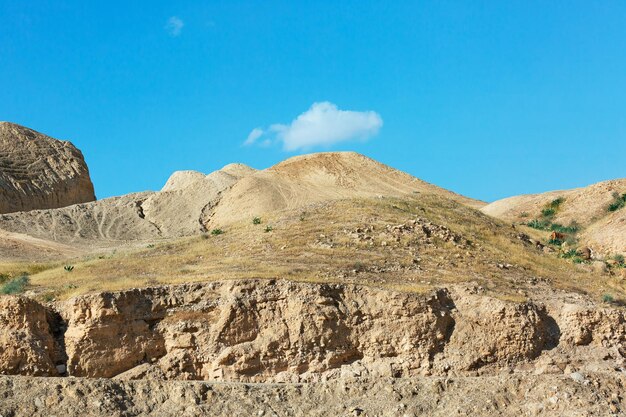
{"x": 328, "y": 284}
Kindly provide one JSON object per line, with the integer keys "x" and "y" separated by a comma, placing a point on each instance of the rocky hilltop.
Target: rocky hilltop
{"x": 39, "y": 172}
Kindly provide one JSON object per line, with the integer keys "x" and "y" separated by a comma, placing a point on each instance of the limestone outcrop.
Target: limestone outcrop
{"x": 284, "y": 331}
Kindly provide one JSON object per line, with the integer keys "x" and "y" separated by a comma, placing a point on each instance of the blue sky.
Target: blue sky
{"x": 489, "y": 99}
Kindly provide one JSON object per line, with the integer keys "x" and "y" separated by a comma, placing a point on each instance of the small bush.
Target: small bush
{"x": 571, "y": 229}
{"x": 216, "y": 232}
{"x": 607, "y": 298}
{"x": 538, "y": 224}
{"x": 568, "y": 254}
{"x": 619, "y": 201}
{"x": 256, "y": 220}
{"x": 619, "y": 258}
{"x": 555, "y": 242}
{"x": 4, "y": 278}
{"x": 150, "y": 246}
{"x": 268, "y": 228}
{"x": 548, "y": 212}
{"x": 68, "y": 268}
{"x": 15, "y": 286}
{"x": 524, "y": 214}
{"x": 556, "y": 203}
{"x": 359, "y": 267}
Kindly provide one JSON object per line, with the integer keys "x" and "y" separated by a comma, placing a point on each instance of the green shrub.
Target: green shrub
{"x": 538, "y": 224}
{"x": 619, "y": 258}
{"x": 548, "y": 212}
{"x": 607, "y": 298}
{"x": 256, "y": 220}
{"x": 556, "y": 203}
{"x": 268, "y": 228}
{"x": 524, "y": 214}
{"x": 4, "y": 278}
{"x": 216, "y": 232}
{"x": 619, "y": 201}
{"x": 68, "y": 268}
{"x": 15, "y": 286}
{"x": 555, "y": 242}
{"x": 571, "y": 229}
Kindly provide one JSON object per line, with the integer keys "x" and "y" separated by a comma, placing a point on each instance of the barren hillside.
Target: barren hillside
{"x": 191, "y": 203}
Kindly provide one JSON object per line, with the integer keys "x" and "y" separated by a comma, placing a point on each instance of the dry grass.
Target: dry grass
{"x": 315, "y": 245}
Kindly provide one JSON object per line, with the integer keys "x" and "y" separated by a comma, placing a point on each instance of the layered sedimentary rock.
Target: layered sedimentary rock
{"x": 39, "y": 172}
{"x": 282, "y": 331}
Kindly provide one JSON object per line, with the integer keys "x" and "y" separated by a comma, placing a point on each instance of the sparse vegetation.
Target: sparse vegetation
{"x": 571, "y": 229}
{"x": 68, "y": 268}
{"x": 619, "y": 259}
{"x": 556, "y": 203}
{"x": 566, "y": 234}
{"x": 256, "y": 220}
{"x": 268, "y": 228}
{"x": 538, "y": 224}
{"x": 226, "y": 257}
{"x": 555, "y": 242}
{"x": 216, "y": 232}
{"x": 607, "y": 298}
{"x": 619, "y": 201}
{"x": 15, "y": 285}
{"x": 524, "y": 214}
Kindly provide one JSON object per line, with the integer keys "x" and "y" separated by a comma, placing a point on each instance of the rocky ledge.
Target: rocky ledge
{"x": 281, "y": 331}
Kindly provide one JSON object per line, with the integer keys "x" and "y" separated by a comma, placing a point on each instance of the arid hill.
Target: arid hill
{"x": 39, "y": 172}
{"x": 594, "y": 210}
{"x": 328, "y": 284}
{"x": 192, "y": 203}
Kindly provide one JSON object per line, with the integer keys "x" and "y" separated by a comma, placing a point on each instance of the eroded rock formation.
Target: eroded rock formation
{"x": 283, "y": 331}
{"x": 39, "y": 172}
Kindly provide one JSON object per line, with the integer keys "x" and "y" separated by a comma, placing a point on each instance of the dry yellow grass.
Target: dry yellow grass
{"x": 318, "y": 245}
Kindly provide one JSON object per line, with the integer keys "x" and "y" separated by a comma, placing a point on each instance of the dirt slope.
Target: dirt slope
{"x": 602, "y": 230}
{"x": 37, "y": 171}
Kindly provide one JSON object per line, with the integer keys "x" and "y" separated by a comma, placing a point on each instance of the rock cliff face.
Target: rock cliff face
{"x": 282, "y": 331}
{"x": 27, "y": 344}
{"x": 39, "y": 172}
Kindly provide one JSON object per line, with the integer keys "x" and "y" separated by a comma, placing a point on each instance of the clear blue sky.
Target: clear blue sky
{"x": 489, "y": 99}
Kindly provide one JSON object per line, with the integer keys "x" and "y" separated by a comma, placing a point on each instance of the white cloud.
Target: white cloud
{"x": 256, "y": 133}
{"x": 322, "y": 125}
{"x": 174, "y": 26}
